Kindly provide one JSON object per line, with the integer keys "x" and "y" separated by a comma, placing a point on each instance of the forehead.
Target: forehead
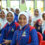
{"x": 22, "y": 15}
{"x": 2, "y": 11}
{"x": 9, "y": 14}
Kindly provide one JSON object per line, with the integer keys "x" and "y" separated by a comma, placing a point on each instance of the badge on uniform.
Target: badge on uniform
{"x": 24, "y": 33}
{"x": 12, "y": 30}
{"x": 39, "y": 28}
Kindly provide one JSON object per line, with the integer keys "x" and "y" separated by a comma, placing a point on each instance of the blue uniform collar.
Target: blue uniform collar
{"x": 11, "y": 23}
{"x": 16, "y": 14}
{"x": 23, "y": 28}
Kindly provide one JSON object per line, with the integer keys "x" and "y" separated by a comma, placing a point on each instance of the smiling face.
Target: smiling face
{"x": 36, "y": 12}
{"x": 2, "y": 14}
{"x": 10, "y": 17}
{"x": 22, "y": 20}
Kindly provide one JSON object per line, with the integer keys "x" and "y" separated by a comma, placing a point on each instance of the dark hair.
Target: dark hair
{"x": 43, "y": 15}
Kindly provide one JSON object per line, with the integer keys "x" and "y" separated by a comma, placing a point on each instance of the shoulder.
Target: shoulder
{"x": 5, "y": 25}
{"x": 17, "y": 24}
{"x": 31, "y": 27}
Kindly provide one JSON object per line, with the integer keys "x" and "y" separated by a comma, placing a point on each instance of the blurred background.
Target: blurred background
{"x": 24, "y": 4}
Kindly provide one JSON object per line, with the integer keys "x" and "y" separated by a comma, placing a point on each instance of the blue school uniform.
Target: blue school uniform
{"x": 38, "y": 28}
{"x": 16, "y": 17}
{"x": 8, "y": 31}
{"x": 26, "y": 36}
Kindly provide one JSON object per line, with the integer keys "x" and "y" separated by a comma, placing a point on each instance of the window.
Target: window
{"x": 40, "y": 5}
{"x": 14, "y": 3}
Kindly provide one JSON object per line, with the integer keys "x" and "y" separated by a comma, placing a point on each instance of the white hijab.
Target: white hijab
{"x": 13, "y": 17}
{"x": 3, "y": 21}
{"x": 25, "y": 14}
{"x": 43, "y": 23}
{"x": 36, "y": 18}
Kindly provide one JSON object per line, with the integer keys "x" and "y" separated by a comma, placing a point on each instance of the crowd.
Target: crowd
{"x": 19, "y": 28}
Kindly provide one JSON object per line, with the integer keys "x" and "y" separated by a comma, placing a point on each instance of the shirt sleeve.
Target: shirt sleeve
{"x": 14, "y": 39}
{"x": 2, "y": 36}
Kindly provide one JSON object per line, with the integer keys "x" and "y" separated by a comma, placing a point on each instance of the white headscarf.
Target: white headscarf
{"x": 38, "y": 11}
{"x": 43, "y": 24}
{"x": 5, "y": 13}
{"x": 25, "y": 14}
{"x": 13, "y": 16}
{"x": 3, "y": 21}
{"x": 36, "y": 18}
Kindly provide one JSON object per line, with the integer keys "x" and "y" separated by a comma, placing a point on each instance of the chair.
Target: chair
{"x": 40, "y": 37}
{"x": 42, "y": 42}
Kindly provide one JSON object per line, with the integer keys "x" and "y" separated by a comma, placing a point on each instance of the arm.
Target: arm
{"x": 34, "y": 38}
{"x": 14, "y": 39}
{"x": 2, "y": 36}
{"x": 3, "y": 33}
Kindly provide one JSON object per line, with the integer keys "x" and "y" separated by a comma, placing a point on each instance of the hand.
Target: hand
{"x": 7, "y": 41}
{"x": 0, "y": 44}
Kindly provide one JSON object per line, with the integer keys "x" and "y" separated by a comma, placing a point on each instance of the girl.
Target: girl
{"x": 16, "y": 14}
{"x": 37, "y": 15}
{"x": 38, "y": 26}
{"x": 3, "y": 20}
{"x": 26, "y": 35}
{"x": 43, "y": 25}
{"x": 9, "y": 28}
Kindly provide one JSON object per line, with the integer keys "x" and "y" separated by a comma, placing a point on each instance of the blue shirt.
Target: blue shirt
{"x": 16, "y": 17}
{"x": 22, "y": 37}
{"x": 8, "y": 31}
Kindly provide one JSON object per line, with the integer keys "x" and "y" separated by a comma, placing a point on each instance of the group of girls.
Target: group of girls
{"x": 18, "y": 28}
